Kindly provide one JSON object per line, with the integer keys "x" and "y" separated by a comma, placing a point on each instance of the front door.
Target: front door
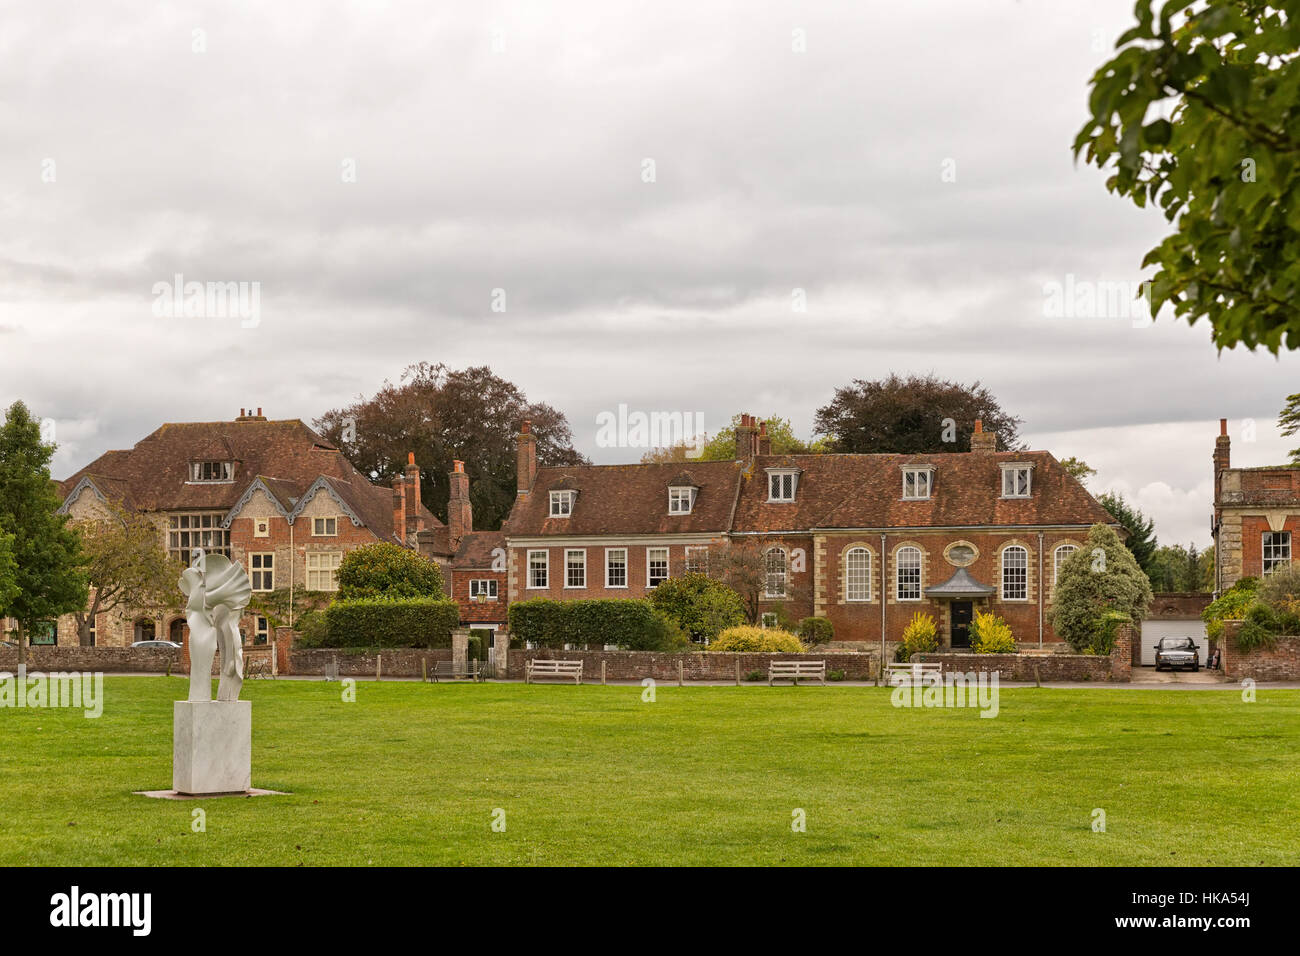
{"x": 960, "y": 615}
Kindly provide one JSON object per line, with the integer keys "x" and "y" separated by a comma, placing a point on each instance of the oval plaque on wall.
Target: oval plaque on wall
{"x": 961, "y": 554}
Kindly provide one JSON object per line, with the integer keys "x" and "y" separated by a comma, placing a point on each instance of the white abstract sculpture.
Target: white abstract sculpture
{"x": 212, "y": 740}
{"x": 216, "y": 591}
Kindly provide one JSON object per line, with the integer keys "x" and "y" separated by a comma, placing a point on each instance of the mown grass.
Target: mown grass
{"x": 411, "y": 774}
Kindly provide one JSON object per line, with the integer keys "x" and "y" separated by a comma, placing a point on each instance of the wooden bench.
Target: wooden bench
{"x": 913, "y": 674}
{"x": 449, "y": 670}
{"x": 564, "y": 669}
{"x": 793, "y": 670}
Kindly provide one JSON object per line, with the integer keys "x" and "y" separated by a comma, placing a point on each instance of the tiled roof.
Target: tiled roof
{"x": 476, "y": 549}
{"x": 286, "y": 455}
{"x": 627, "y": 499}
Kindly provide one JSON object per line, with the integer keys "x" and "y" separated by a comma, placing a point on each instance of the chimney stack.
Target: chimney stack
{"x": 525, "y": 459}
{"x": 764, "y": 439}
{"x": 982, "y": 441}
{"x": 399, "y": 508}
{"x": 414, "y": 513}
{"x": 745, "y": 438}
{"x": 460, "y": 513}
{"x": 1222, "y": 451}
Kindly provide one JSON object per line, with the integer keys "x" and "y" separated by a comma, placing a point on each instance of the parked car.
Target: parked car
{"x": 8, "y": 644}
{"x": 1177, "y": 652}
{"x": 156, "y": 644}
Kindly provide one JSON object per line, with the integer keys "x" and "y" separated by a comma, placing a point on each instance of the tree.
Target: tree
{"x": 742, "y": 564}
{"x": 1178, "y": 568}
{"x": 1196, "y": 114}
{"x": 1289, "y": 422}
{"x": 1078, "y": 468}
{"x": 441, "y": 415}
{"x": 126, "y": 566}
{"x": 48, "y": 578}
{"x": 1141, "y": 540}
{"x": 8, "y": 570}
{"x": 722, "y": 446}
{"x": 1098, "y": 586}
{"x": 702, "y": 606}
{"x": 911, "y": 416}
{"x": 387, "y": 570}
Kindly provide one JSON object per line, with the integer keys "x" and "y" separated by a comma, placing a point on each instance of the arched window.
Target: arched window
{"x": 1059, "y": 557}
{"x": 908, "y": 573}
{"x": 857, "y": 574}
{"x": 776, "y": 573}
{"x": 1015, "y": 573}
{"x": 144, "y": 630}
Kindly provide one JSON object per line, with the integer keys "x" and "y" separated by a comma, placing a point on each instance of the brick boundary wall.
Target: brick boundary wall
{"x": 396, "y": 661}
{"x": 73, "y": 657}
{"x": 1279, "y": 663}
{"x": 1049, "y": 666}
{"x": 696, "y": 665}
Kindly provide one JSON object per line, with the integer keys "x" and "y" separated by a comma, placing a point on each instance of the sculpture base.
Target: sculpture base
{"x": 212, "y": 746}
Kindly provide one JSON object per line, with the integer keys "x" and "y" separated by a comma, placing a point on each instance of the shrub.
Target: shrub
{"x": 755, "y": 676}
{"x": 388, "y": 570}
{"x": 1100, "y": 579}
{"x": 700, "y": 605}
{"x": 816, "y": 630}
{"x": 1230, "y": 606}
{"x": 628, "y": 624}
{"x": 386, "y": 622}
{"x": 312, "y": 630}
{"x": 921, "y": 636}
{"x": 989, "y": 634}
{"x": 836, "y": 675}
{"x": 749, "y": 639}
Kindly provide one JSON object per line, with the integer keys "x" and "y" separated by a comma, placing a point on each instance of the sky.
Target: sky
{"x": 669, "y": 206}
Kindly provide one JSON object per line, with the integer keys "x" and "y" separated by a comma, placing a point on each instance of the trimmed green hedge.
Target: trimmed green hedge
{"x": 816, "y": 630}
{"x": 630, "y": 624}
{"x": 381, "y": 622}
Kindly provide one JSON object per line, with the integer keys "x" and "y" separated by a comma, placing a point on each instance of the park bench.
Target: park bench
{"x": 449, "y": 670}
{"x": 563, "y": 669}
{"x": 258, "y": 668}
{"x": 913, "y": 674}
{"x": 793, "y": 670}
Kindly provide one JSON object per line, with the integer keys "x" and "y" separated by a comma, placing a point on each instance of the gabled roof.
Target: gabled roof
{"x": 627, "y": 499}
{"x": 285, "y": 458}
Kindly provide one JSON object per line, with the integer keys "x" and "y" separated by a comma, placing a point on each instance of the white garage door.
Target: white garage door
{"x": 1152, "y": 631}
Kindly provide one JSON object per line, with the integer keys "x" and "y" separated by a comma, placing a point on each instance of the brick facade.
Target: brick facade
{"x": 1278, "y": 663}
{"x": 1249, "y": 503}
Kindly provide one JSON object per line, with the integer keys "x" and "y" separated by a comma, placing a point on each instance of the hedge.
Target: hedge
{"x": 380, "y": 622}
{"x": 816, "y": 630}
{"x": 631, "y": 624}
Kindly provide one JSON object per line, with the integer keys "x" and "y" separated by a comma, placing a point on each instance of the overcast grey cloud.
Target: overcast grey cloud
{"x": 502, "y": 146}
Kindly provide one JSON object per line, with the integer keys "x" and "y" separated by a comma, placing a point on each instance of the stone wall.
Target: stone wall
{"x": 1050, "y": 666}
{"x": 396, "y": 661}
{"x": 150, "y": 660}
{"x": 1278, "y": 663}
{"x": 695, "y": 665}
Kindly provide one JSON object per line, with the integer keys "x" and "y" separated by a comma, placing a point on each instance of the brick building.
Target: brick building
{"x": 863, "y": 540}
{"x": 271, "y": 495}
{"x": 1256, "y": 512}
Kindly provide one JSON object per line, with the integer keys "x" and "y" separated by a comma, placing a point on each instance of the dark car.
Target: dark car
{"x": 1175, "y": 653}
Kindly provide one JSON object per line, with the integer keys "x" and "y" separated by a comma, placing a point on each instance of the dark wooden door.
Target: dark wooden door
{"x": 961, "y": 614}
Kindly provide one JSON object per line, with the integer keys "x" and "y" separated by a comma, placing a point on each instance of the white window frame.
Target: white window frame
{"x": 865, "y": 573}
{"x": 483, "y": 586}
{"x": 260, "y": 571}
{"x": 1060, "y": 554}
{"x": 900, "y": 567}
{"x": 918, "y": 474}
{"x": 212, "y": 472}
{"x": 259, "y": 629}
{"x": 562, "y": 503}
{"x": 197, "y": 529}
{"x": 325, "y": 566}
{"x": 767, "y": 619}
{"x": 681, "y": 500}
{"x": 609, "y": 553}
{"x": 697, "y": 567}
{"x": 545, "y": 570}
{"x": 649, "y": 581}
{"x": 325, "y": 522}
{"x": 569, "y": 567}
{"x": 1010, "y": 480}
{"x": 782, "y": 480}
{"x": 780, "y": 575}
{"x": 1274, "y": 553}
{"x": 1003, "y": 591}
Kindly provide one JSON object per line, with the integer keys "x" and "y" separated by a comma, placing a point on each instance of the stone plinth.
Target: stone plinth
{"x": 212, "y": 746}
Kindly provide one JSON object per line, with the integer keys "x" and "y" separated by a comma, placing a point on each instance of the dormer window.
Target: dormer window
{"x": 211, "y": 471}
{"x": 918, "y": 482}
{"x": 562, "y": 503}
{"x": 681, "y": 500}
{"x": 1017, "y": 480}
{"x": 781, "y": 483}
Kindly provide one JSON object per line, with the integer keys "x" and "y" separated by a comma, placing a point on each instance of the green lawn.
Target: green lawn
{"x": 411, "y": 773}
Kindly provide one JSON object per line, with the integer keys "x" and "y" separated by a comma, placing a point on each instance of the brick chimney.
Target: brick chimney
{"x": 525, "y": 458}
{"x": 982, "y": 441}
{"x": 1222, "y": 451}
{"x": 246, "y": 415}
{"x": 399, "y": 507}
{"x": 764, "y": 439}
{"x": 414, "y": 513}
{"x": 746, "y": 438}
{"x": 460, "y": 513}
